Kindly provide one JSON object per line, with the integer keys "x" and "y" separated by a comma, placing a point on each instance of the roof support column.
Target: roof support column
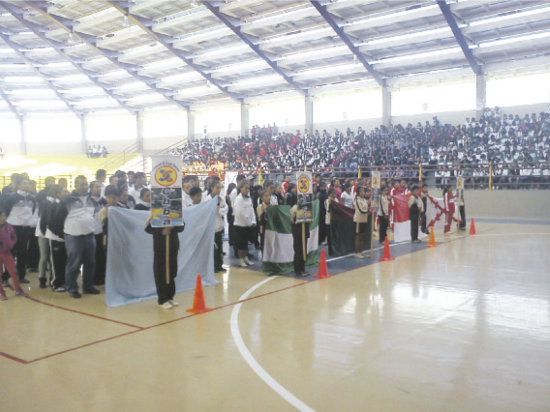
{"x": 190, "y": 125}
{"x": 23, "y": 144}
{"x": 481, "y": 94}
{"x": 84, "y": 133}
{"x": 386, "y": 105}
{"x": 139, "y": 135}
{"x": 245, "y": 120}
{"x": 309, "y": 113}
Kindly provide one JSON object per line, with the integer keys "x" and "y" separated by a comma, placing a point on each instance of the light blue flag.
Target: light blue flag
{"x": 130, "y": 277}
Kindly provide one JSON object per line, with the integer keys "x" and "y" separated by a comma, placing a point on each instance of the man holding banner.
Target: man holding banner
{"x": 301, "y": 215}
{"x": 165, "y": 222}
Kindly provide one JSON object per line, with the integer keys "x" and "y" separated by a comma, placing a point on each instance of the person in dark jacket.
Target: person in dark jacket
{"x": 20, "y": 207}
{"x": 165, "y": 291}
{"x": 144, "y": 202}
{"x": 75, "y": 222}
{"x": 290, "y": 197}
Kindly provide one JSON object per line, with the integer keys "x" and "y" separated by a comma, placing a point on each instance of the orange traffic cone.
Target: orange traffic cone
{"x": 198, "y": 300}
{"x": 431, "y": 240}
{"x": 322, "y": 272}
{"x": 386, "y": 255}
{"x": 472, "y": 227}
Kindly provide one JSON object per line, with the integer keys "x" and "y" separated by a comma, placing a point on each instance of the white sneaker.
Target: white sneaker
{"x": 248, "y": 262}
{"x": 174, "y": 303}
{"x": 359, "y": 256}
{"x": 242, "y": 263}
{"x": 166, "y": 305}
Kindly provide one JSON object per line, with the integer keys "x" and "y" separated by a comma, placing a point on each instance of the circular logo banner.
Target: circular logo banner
{"x": 166, "y": 176}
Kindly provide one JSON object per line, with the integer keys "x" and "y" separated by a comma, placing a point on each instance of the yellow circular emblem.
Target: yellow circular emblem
{"x": 303, "y": 185}
{"x": 166, "y": 176}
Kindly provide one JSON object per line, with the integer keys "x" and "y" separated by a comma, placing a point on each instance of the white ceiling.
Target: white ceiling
{"x": 86, "y": 55}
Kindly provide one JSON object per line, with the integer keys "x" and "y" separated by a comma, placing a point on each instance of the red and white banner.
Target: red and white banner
{"x": 435, "y": 217}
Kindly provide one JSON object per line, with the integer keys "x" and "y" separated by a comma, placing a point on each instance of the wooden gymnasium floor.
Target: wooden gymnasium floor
{"x": 462, "y": 327}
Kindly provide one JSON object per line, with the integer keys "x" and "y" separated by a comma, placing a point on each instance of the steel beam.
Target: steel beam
{"x": 92, "y": 42}
{"x": 215, "y": 9}
{"x": 59, "y": 49}
{"x": 166, "y": 41}
{"x": 32, "y": 64}
{"x": 329, "y": 18}
{"x": 459, "y": 36}
{"x": 13, "y": 108}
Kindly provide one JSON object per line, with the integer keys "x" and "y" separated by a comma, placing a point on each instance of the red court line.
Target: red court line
{"x": 226, "y": 305}
{"x": 83, "y": 346}
{"x": 83, "y": 313}
{"x": 14, "y": 358}
{"x": 141, "y": 329}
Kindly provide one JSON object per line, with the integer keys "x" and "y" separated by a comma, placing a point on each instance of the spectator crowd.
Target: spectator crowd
{"x": 517, "y": 146}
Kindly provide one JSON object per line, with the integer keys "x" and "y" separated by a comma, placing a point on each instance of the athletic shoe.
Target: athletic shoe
{"x": 248, "y": 262}
{"x": 359, "y": 256}
{"x": 3, "y": 296}
{"x": 5, "y": 283}
{"x": 92, "y": 291}
{"x": 75, "y": 294}
{"x": 242, "y": 263}
{"x": 43, "y": 283}
{"x": 21, "y": 292}
{"x": 60, "y": 289}
{"x": 174, "y": 303}
{"x": 24, "y": 281}
{"x": 166, "y": 305}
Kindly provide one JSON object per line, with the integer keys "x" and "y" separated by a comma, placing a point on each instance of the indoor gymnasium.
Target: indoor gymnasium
{"x": 244, "y": 205}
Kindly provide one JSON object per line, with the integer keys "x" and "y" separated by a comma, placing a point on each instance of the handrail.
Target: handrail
{"x": 118, "y": 158}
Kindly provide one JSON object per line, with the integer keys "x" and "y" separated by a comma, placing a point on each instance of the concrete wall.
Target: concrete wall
{"x": 514, "y": 204}
{"x": 52, "y": 148}
{"x": 519, "y": 204}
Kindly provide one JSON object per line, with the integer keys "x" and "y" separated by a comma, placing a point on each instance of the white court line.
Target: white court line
{"x": 366, "y": 250}
{"x": 512, "y": 234}
{"x": 247, "y": 356}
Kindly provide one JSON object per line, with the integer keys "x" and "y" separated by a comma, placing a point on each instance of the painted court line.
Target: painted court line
{"x": 366, "y": 250}
{"x": 138, "y": 329}
{"x": 247, "y": 356}
{"x": 242, "y": 299}
{"x": 83, "y": 313}
{"x": 13, "y": 358}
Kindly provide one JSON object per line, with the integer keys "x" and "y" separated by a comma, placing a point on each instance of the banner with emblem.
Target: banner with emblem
{"x": 166, "y": 201}
{"x": 304, "y": 190}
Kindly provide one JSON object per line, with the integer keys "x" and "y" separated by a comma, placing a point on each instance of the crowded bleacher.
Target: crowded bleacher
{"x": 517, "y": 146}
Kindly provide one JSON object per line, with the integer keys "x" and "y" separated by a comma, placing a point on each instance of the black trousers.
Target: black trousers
{"x": 218, "y": 251}
{"x": 33, "y": 251}
{"x": 384, "y": 223}
{"x": 165, "y": 291}
{"x": 462, "y": 210}
{"x": 21, "y": 248}
{"x": 299, "y": 258}
{"x": 423, "y": 222}
{"x": 58, "y": 262}
{"x": 329, "y": 240}
{"x": 414, "y": 225}
{"x": 100, "y": 260}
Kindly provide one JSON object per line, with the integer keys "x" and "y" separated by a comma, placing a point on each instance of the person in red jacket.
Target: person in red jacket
{"x": 8, "y": 239}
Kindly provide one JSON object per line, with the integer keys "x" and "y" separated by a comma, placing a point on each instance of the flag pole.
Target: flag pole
{"x": 304, "y": 242}
{"x": 372, "y": 235}
{"x": 491, "y": 175}
{"x": 167, "y": 265}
